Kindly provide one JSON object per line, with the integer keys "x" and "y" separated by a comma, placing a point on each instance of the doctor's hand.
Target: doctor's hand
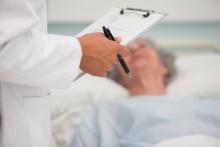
{"x": 99, "y": 54}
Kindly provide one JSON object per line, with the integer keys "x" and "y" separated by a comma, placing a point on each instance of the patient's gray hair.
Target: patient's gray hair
{"x": 167, "y": 59}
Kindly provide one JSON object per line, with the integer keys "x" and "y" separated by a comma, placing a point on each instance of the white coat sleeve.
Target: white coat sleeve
{"x": 39, "y": 59}
{"x": 30, "y": 57}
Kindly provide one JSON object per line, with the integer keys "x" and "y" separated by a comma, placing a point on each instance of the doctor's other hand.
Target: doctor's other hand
{"x": 99, "y": 54}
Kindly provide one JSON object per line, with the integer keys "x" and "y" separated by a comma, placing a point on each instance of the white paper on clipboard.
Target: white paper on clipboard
{"x": 127, "y": 26}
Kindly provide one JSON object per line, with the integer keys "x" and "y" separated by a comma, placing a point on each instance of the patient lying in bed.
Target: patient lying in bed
{"x": 146, "y": 122}
{"x": 152, "y": 69}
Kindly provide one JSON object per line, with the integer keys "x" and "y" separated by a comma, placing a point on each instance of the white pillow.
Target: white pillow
{"x": 197, "y": 76}
{"x": 87, "y": 90}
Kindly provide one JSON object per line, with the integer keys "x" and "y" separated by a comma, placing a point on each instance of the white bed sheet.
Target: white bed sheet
{"x": 146, "y": 121}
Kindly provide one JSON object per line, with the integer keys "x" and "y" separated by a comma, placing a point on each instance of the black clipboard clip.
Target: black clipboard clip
{"x": 143, "y": 12}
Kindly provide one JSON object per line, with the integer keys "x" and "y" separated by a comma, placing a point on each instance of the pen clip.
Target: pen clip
{"x": 105, "y": 31}
{"x": 110, "y": 35}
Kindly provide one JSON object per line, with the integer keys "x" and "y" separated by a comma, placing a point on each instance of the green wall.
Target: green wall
{"x": 162, "y": 30}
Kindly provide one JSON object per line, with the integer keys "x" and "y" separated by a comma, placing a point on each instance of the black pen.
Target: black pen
{"x": 109, "y": 35}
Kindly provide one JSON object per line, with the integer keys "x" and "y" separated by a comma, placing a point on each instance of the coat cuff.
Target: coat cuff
{"x": 74, "y": 44}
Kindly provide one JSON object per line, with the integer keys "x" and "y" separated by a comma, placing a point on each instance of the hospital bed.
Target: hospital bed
{"x": 198, "y": 62}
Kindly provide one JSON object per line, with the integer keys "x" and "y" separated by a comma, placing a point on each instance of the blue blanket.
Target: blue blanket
{"x": 145, "y": 121}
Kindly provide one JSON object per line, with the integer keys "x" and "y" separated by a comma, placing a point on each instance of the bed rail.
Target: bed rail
{"x": 189, "y": 43}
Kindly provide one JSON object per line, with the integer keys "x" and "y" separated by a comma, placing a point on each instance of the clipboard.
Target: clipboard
{"x": 126, "y": 23}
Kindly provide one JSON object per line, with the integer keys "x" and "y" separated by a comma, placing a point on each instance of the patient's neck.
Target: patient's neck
{"x": 157, "y": 91}
{"x": 147, "y": 86}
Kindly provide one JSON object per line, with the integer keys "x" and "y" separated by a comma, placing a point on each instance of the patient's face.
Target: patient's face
{"x": 147, "y": 71}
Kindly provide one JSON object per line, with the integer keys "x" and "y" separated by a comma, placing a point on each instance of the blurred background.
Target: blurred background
{"x": 192, "y": 19}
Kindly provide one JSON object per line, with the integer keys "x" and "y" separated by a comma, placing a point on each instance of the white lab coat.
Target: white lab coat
{"x": 31, "y": 62}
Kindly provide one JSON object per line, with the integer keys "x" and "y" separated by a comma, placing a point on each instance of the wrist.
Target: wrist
{"x": 82, "y": 44}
